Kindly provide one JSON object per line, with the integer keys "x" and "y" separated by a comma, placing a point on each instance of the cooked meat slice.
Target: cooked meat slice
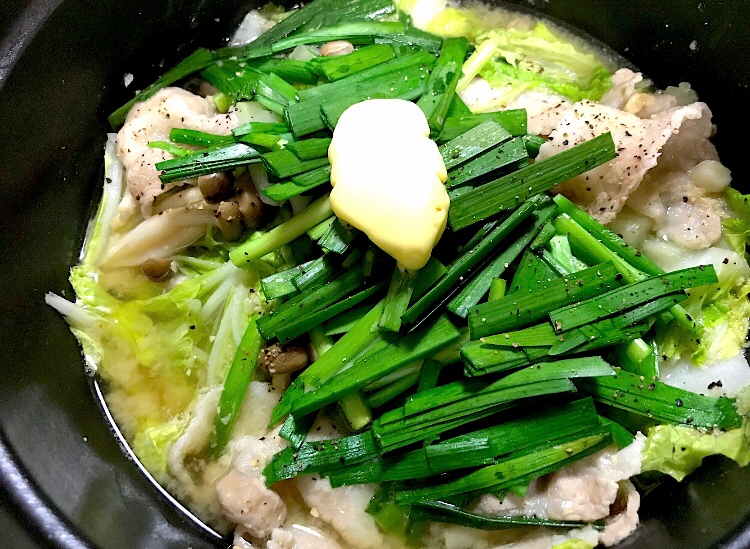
{"x": 152, "y": 120}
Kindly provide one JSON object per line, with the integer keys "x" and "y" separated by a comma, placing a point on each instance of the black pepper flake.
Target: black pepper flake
{"x": 678, "y": 402}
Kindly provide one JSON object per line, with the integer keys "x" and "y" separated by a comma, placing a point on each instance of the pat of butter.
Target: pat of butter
{"x": 388, "y": 178}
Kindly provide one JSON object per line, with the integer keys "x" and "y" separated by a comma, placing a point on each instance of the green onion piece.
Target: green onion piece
{"x": 595, "y": 308}
{"x": 235, "y": 386}
{"x": 282, "y": 283}
{"x": 384, "y": 381}
{"x": 356, "y": 411}
{"x": 458, "y": 108}
{"x": 284, "y": 164}
{"x": 319, "y": 230}
{"x": 362, "y": 335}
{"x": 315, "y": 273}
{"x": 285, "y": 191}
{"x": 309, "y": 149}
{"x": 533, "y": 143}
{"x": 342, "y": 323}
{"x": 514, "y": 469}
{"x": 196, "y": 61}
{"x": 338, "y": 237}
{"x": 375, "y": 365}
{"x": 296, "y": 309}
{"x": 355, "y": 257}
{"x": 534, "y": 336}
{"x": 498, "y": 289}
{"x": 341, "y": 66}
{"x": 270, "y": 141}
{"x": 312, "y": 16}
{"x": 446, "y": 407}
{"x": 481, "y": 359}
{"x": 413, "y": 38}
{"x": 304, "y": 322}
{"x": 639, "y": 262}
{"x": 548, "y": 231}
{"x": 455, "y": 193}
{"x": 429, "y": 374}
{"x": 299, "y": 184}
{"x": 477, "y": 288}
{"x": 260, "y": 127}
{"x": 222, "y": 102}
{"x": 661, "y": 402}
{"x": 276, "y": 90}
{"x": 407, "y": 87}
{"x": 639, "y": 357}
{"x": 591, "y": 250}
{"x": 463, "y": 390}
{"x": 608, "y": 238}
{"x": 492, "y": 354}
{"x": 468, "y": 260}
{"x": 473, "y": 143}
{"x": 559, "y": 248}
{"x": 531, "y": 272}
{"x": 350, "y": 32}
{"x": 397, "y": 299}
{"x": 514, "y": 122}
{"x": 599, "y": 334}
{"x": 234, "y": 81}
{"x": 397, "y": 521}
{"x": 404, "y": 430}
{"x": 323, "y": 93}
{"x": 320, "y": 456}
{"x": 359, "y": 337}
{"x": 510, "y": 470}
{"x": 476, "y": 448}
{"x": 426, "y": 277}
{"x": 390, "y": 392}
{"x": 440, "y": 511}
{"x": 198, "y": 138}
{"x": 505, "y": 155}
{"x": 256, "y": 248}
{"x": 295, "y": 429}
{"x": 510, "y": 190}
{"x": 291, "y": 70}
{"x": 321, "y": 343}
{"x": 403, "y": 74}
{"x": 559, "y": 268}
{"x": 313, "y": 178}
{"x": 441, "y": 85}
{"x": 520, "y": 309}
{"x": 171, "y": 148}
{"x": 620, "y": 435}
{"x": 206, "y": 162}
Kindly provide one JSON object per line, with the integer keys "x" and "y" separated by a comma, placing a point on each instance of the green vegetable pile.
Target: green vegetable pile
{"x": 525, "y": 344}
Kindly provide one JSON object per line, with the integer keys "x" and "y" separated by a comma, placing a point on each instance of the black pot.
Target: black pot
{"x": 64, "y": 479}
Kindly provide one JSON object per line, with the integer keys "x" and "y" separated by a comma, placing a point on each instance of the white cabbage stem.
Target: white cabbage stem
{"x": 260, "y": 178}
{"x": 100, "y": 228}
{"x": 159, "y": 236}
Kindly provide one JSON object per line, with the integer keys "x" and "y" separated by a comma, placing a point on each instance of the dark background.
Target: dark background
{"x": 64, "y": 479}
